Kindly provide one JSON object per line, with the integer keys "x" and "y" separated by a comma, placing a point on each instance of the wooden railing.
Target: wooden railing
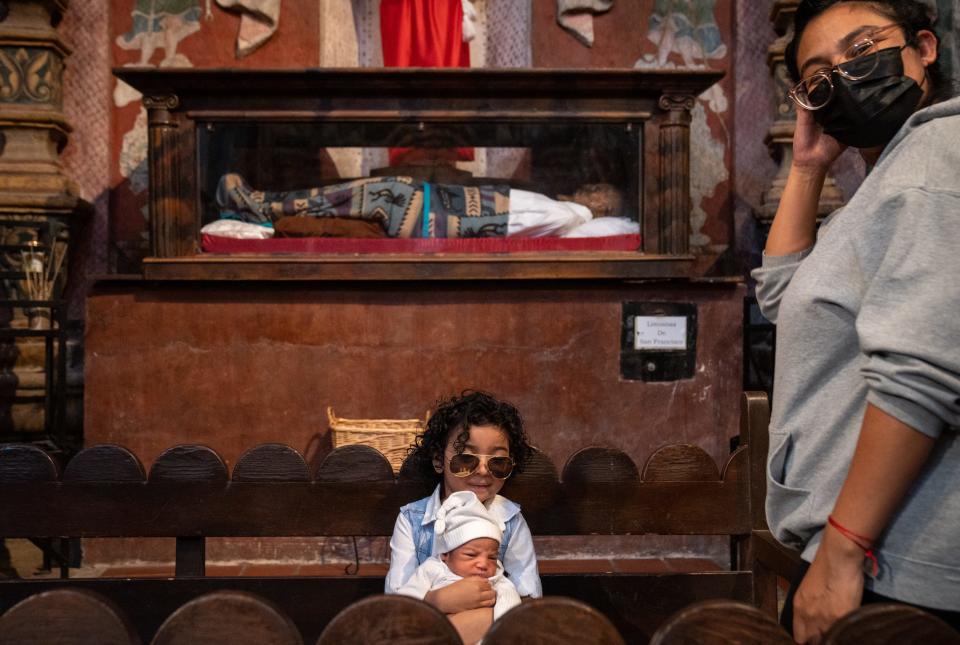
{"x": 190, "y": 494}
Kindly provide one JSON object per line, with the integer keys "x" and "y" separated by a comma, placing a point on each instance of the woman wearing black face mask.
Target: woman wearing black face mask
{"x": 864, "y": 463}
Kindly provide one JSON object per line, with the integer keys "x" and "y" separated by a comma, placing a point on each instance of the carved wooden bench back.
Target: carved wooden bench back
{"x": 553, "y": 621}
{"x": 228, "y": 618}
{"x": 719, "y": 622}
{"x": 389, "y": 619}
{"x": 889, "y": 623}
{"x": 66, "y": 617}
{"x": 190, "y": 494}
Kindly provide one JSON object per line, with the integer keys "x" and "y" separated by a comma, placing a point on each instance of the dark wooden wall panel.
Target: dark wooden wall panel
{"x": 232, "y": 367}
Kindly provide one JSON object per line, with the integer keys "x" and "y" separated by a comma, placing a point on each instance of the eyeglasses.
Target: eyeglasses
{"x": 465, "y": 464}
{"x": 859, "y": 61}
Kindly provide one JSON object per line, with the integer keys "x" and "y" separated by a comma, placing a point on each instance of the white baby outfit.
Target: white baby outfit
{"x": 461, "y": 518}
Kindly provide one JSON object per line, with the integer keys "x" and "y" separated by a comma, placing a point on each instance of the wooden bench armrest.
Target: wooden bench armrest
{"x": 775, "y": 557}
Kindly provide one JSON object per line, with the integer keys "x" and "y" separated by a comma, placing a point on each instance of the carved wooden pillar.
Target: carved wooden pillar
{"x": 164, "y": 175}
{"x": 33, "y": 128}
{"x": 779, "y": 139}
{"x": 39, "y": 205}
{"x": 674, "y": 174}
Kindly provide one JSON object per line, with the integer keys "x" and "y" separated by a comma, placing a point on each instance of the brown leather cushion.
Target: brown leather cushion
{"x": 327, "y": 227}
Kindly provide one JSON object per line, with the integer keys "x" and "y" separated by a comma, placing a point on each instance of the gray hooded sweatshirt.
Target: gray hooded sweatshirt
{"x": 871, "y": 314}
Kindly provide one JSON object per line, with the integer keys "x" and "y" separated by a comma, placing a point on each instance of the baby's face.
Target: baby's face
{"x": 478, "y": 557}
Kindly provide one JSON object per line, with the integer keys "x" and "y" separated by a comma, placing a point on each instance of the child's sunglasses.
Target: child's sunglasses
{"x": 464, "y": 464}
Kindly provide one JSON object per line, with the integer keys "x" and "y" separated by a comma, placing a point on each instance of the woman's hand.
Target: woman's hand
{"x": 470, "y": 593}
{"x": 813, "y": 149}
{"x": 832, "y": 587}
{"x": 795, "y": 226}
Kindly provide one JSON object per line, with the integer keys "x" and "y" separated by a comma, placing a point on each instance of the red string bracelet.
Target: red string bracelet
{"x": 861, "y": 541}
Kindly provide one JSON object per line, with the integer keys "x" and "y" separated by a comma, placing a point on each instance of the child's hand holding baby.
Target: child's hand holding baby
{"x": 469, "y": 593}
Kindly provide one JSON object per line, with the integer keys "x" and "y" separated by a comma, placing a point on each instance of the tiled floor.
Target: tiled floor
{"x": 25, "y": 560}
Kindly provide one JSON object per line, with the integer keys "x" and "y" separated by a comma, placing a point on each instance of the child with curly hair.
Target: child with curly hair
{"x": 472, "y": 442}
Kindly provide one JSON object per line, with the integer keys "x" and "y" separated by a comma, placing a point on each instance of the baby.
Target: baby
{"x": 468, "y": 539}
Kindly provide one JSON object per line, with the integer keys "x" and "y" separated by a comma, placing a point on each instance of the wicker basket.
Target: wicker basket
{"x": 392, "y": 437}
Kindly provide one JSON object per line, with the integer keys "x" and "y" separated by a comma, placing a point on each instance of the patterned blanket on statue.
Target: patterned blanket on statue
{"x": 405, "y": 207}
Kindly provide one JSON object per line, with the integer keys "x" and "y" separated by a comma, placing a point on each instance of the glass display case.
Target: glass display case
{"x": 550, "y": 164}
{"x": 552, "y": 159}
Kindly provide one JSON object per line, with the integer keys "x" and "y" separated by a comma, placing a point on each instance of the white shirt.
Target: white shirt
{"x": 519, "y": 560}
{"x": 435, "y": 574}
{"x": 536, "y": 215}
{"x": 606, "y": 226}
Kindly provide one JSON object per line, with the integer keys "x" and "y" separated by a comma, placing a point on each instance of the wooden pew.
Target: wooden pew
{"x": 553, "y": 621}
{"x": 189, "y": 494}
{"x": 719, "y": 622}
{"x": 228, "y": 618}
{"x": 890, "y": 624}
{"x": 66, "y": 617}
{"x": 389, "y": 619}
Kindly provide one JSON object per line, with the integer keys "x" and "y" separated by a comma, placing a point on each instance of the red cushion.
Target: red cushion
{"x": 320, "y": 245}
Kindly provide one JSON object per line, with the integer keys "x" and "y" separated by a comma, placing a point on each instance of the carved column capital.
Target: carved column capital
{"x": 677, "y": 102}
{"x": 161, "y": 102}
{"x": 159, "y": 107}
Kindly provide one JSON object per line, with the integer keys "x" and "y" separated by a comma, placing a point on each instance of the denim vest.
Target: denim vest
{"x": 423, "y": 533}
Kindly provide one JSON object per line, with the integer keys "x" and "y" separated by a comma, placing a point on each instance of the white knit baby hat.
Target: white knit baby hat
{"x": 461, "y": 518}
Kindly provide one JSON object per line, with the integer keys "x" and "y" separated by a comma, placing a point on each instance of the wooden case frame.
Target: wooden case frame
{"x": 658, "y": 102}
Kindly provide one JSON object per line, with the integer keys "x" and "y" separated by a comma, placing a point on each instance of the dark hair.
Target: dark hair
{"x": 459, "y": 414}
{"x": 913, "y": 16}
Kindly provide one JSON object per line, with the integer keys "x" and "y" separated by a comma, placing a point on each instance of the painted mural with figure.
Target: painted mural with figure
{"x": 655, "y": 35}
{"x": 576, "y": 16}
{"x": 155, "y": 30}
{"x": 188, "y": 33}
{"x": 686, "y": 35}
{"x": 162, "y": 24}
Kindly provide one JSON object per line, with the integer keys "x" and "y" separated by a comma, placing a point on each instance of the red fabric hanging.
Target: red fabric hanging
{"x": 424, "y": 33}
